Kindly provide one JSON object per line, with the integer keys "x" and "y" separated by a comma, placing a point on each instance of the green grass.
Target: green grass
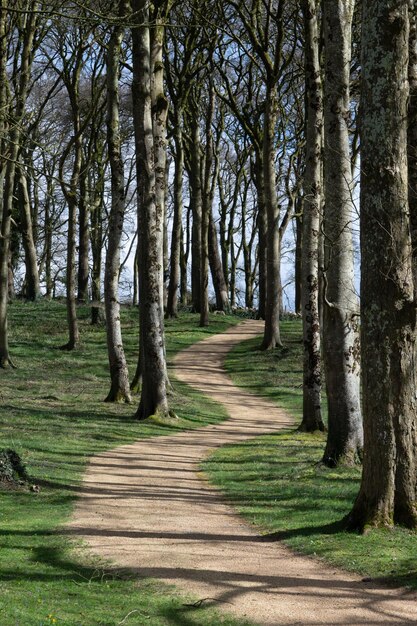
{"x": 275, "y": 374}
{"x": 53, "y": 415}
{"x": 279, "y": 485}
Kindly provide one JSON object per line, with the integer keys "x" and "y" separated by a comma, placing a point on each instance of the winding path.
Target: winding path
{"x": 146, "y": 507}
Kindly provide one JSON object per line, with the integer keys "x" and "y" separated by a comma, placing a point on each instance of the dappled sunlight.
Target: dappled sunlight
{"x": 148, "y": 507}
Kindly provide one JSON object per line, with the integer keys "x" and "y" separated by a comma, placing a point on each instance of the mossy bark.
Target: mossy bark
{"x": 388, "y": 309}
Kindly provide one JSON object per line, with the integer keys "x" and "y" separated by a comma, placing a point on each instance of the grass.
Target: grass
{"x": 274, "y": 374}
{"x": 279, "y": 485}
{"x": 53, "y": 415}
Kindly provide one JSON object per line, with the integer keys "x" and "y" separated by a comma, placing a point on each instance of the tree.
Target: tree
{"x": 388, "y": 304}
{"x": 154, "y": 398}
{"x": 341, "y": 309}
{"x": 120, "y": 389}
{"x": 312, "y": 419}
{"x": 27, "y": 28}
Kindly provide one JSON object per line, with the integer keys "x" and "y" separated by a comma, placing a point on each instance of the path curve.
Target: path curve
{"x": 146, "y": 507}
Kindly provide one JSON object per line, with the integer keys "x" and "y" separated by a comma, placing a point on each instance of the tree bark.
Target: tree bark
{"x": 341, "y": 308}
{"x": 15, "y": 121}
{"x": 298, "y": 255}
{"x": 272, "y": 337}
{"x": 120, "y": 389}
{"x": 412, "y": 132}
{"x": 216, "y": 267}
{"x": 174, "y": 278}
{"x": 32, "y": 287}
{"x": 83, "y": 238}
{"x": 206, "y": 207}
{"x": 154, "y": 400}
{"x": 196, "y": 204}
{"x": 388, "y": 308}
{"x": 312, "y": 419}
{"x": 262, "y": 236}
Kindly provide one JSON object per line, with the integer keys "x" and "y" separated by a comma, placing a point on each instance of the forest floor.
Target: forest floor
{"x": 147, "y": 507}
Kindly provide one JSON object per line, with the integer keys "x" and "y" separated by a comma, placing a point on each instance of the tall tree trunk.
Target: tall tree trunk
{"x": 83, "y": 238}
{"x": 388, "y": 306}
{"x": 216, "y": 267}
{"x": 16, "y": 117}
{"x": 206, "y": 211}
{"x": 298, "y": 255}
{"x": 154, "y": 400}
{"x": 196, "y": 203}
{"x": 183, "y": 270}
{"x": 312, "y": 419}
{"x": 341, "y": 308}
{"x": 73, "y": 331}
{"x": 120, "y": 389}
{"x": 96, "y": 234}
{"x": 174, "y": 278}
{"x": 412, "y": 132}
{"x": 136, "y": 278}
{"x": 70, "y": 192}
{"x": 32, "y": 290}
{"x": 272, "y": 337}
{"x": 48, "y": 242}
{"x": 262, "y": 236}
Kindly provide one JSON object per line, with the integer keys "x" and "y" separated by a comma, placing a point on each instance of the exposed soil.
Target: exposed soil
{"x": 146, "y": 507}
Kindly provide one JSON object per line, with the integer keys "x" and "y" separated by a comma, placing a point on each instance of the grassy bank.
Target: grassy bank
{"x": 278, "y": 483}
{"x": 53, "y": 415}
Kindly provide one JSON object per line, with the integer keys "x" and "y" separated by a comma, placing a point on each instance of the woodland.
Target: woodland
{"x": 172, "y": 169}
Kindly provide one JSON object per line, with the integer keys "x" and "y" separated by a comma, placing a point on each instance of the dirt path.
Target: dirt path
{"x": 145, "y": 507}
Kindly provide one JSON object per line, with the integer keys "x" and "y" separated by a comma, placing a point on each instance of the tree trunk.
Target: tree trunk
{"x": 183, "y": 271}
{"x": 341, "y": 308}
{"x": 388, "y": 307}
{"x": 207, "y": 199}
{"x": 272, "y": 337}
{"x": 262, "y": 236}
{"x": 196, "y": 203}
{"x": 73, "y": 332}
{"x": 216, "y": 267}
{"x": 298, "y": 255}
{"x": 312, "y": 419}
{"x": 48, "y": 243}
{"x": 154, "y": 400}
{"x": 32, "y": 287}
{"x": 96, "y": 247}
{"x": 174, "y": 278}
{"x": 412, "y": 132}
{"x": 120, "y": 389}
{"x": 15, "y": 120}
{"x": 83, "y": 239}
